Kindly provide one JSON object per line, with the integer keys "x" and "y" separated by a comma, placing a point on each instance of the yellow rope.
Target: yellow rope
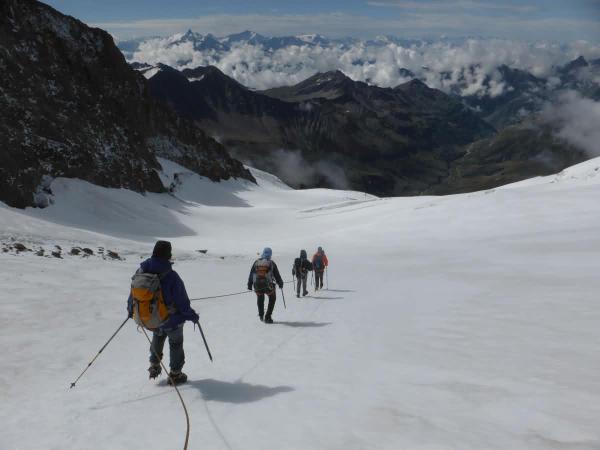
{"x": 187, "y": 417}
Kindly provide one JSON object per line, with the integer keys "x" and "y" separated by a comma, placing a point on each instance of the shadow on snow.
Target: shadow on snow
{"x": 302, "y": 324}
{"x": 236, "y": 392}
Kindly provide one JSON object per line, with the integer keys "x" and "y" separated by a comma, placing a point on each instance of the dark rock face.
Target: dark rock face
{"x": 387, "y": 141}
{"x": 70, "y": 106}
{"x": 514, "y": 154}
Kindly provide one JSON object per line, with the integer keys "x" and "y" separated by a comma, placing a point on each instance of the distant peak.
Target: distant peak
{"x": 335, "y": 74}
{"x": 332, "y": 77}
{"x": 207, "y": 73}
{"x": 417, "y": 83}
{"x": 414, "y": 84}
{"x": 576, "y": 64}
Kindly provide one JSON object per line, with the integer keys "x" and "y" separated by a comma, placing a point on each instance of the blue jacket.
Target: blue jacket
{"x": 173, "y": 291}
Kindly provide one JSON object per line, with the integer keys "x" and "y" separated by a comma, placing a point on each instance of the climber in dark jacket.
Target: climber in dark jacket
{"x": 300, "y": 270}
{"x": 178, "y": 303}
{"x": 263, "y": 276}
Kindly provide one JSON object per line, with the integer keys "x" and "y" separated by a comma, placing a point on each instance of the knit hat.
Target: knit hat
{"x": 162, "y": 249}
{"x": 267, "y": 253}
{"x": 303, "y": 254}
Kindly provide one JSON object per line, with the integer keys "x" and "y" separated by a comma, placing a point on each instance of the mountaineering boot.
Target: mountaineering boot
{"x": 268, "y": 319}
{"x": 298, "y": 295}
{"x": 177, "y": 378}
{"x": 154, "y": 370}
{"x": 260, "y": 316}
{"x": 305, "y": 293}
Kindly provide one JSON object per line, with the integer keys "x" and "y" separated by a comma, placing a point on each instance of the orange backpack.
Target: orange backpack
{"x": 263, "y": 276}
{"x": 149, "y": 308}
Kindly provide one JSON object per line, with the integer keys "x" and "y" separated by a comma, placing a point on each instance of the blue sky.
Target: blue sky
{"x": 565, "y": 20}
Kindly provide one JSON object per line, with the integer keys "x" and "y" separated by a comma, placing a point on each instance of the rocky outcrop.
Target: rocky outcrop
{"x": 71, "y": 106}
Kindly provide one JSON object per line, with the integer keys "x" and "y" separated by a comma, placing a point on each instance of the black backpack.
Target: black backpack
{"x": 298, "y": 266}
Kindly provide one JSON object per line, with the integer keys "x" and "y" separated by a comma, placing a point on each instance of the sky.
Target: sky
{"x": 531, "y": 20}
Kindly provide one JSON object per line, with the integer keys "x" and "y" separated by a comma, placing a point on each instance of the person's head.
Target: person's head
{"x": 303, "y": 254}
{"x": 320, "y": 250}
{"x": 162, "y": 249}
{"x": 267, "y": 253}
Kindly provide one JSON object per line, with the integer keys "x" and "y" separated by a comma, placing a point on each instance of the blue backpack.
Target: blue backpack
{"x": 318, "y": 262}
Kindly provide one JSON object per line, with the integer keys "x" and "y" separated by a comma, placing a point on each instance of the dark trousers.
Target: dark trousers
{"x": 301, "y": 282}
{"x": 176, "y": 354}
{"x": 260, "y": 302}
{"x": 318, "y": 280}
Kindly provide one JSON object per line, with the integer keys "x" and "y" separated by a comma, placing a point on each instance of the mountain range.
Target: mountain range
{"x": 406, "y": 140}
{"x": 387, "y": 141}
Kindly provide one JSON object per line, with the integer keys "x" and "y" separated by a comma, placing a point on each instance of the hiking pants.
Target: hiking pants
{"x": 301, "y": 281}
{"x": 260, "y": 302}
{"x": 176, "y": 355}
{"x": 318, "y": 280}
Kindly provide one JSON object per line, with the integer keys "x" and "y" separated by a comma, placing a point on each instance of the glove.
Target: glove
{"x": 195, "y": 317}
{"x": 281, "y": 286}
{"x": 249, "y": 286}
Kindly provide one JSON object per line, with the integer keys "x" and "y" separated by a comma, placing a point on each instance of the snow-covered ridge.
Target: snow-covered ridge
{"x": 583, "y": 174}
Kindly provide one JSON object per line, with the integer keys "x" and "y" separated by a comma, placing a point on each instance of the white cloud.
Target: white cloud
{"x": 475, "y": 60}
{"x": 297, "y": 171}
{"x": 454, "y": 5}
{"x": 577, "y": 120}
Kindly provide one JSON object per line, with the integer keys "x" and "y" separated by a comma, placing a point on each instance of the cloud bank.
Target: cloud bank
{"x": 577, "y": 120}
{"x": 466, "y": 64}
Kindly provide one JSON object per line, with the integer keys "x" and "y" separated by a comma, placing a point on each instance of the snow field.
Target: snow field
{"x": 459, "y": 322}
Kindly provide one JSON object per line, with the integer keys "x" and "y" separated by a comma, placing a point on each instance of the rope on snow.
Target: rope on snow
{"x": 187, "y": 417}
{"x": 228, "y": 295}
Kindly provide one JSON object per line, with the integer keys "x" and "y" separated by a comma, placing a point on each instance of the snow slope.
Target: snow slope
{"x": 459, "y": 322}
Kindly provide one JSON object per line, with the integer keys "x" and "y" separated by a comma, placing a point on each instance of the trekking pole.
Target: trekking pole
{"x": 283, "y": 297}
{"x": 204, "y": 339}
{"x": 98, "y": 354}
{"x": 326, "y": 278}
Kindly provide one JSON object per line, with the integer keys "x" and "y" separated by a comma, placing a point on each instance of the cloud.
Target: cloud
{"x": 454, "y": 5}
{"x": 577, "y": 121}
{"x": 298, "y": 172}
{"x": 469, "y": 65}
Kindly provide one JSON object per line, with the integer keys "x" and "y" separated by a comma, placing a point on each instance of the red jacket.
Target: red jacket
{"x": 325, "y": 261}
